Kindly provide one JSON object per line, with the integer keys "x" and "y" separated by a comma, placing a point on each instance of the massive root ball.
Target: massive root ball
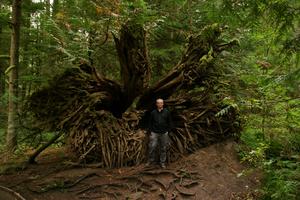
{"x": 116, "y": 142}
{"x": 91, "y": 109}
{"x": 107, "y": 140}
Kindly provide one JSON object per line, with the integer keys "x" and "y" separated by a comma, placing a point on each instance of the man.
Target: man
{"x": 160, "y": 124}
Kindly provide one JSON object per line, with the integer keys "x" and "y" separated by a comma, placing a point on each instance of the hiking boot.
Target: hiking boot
{"x": 163, "y": 165}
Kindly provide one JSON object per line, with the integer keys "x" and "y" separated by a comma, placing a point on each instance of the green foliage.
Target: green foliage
{"x": 137, "y": 11}
{"x": 280, "y": 164}
{"x": 261, "y": 78}
{"x": 264, "y": 82}
{"x": 282, "y": 180}
{"x": 4, "y": 15}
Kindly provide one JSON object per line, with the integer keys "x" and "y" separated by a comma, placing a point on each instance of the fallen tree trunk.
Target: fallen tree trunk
{"x": 32, "y": 157}
{"x": 91, "y": 109}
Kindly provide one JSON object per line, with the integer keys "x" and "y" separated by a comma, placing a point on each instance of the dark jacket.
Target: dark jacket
{"x": 160, "y": 122}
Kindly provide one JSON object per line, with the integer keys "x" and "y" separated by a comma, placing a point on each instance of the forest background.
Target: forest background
{"x": 261, "y": 78}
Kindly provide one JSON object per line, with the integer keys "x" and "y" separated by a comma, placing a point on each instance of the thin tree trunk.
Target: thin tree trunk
{"x": 48, "y": 5}
{"x": 2, "y": 75}
{"x": 2, "y": 80}
{"x": 55, "y": 7}
{"x": 27, "y": 56}
{"x": 11, "y": 137}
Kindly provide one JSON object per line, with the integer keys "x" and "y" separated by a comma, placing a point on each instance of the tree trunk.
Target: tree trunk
{"x": 55, "y": 6}
{"x": 133, "y": 58}
{"x": 27, "y": 56}
{"x": 2, "y": 80}
{"x": 2, "y": 67}
{"x": 11, "y": 137}
{"x": 48, "y": 5}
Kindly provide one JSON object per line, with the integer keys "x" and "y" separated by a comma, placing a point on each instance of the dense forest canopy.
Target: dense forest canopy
{"x": 258, "y": 75}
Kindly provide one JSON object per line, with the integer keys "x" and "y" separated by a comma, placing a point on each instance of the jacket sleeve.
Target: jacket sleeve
{"x": 150, "y": 122}
{"x": 170, "y": 122}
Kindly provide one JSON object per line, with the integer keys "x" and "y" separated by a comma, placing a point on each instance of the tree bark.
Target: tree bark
{"x": 27, "y": 57}
{"x": 11, "y": 137}
{"x": 2, "y": 75}
{"x": 81, "y": 102}
{"x": 191, "y": 69}
{"x": 134, "y": 62}
{"x": 32, "y": 157}
{"x": 2, "y": 80}
{"x": 55, "y": 6}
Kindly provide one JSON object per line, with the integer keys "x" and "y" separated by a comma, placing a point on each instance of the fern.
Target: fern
{"x": 226, "y": 110}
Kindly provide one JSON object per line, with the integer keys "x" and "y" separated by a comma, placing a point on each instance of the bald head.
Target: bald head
{"x": 159, "y": 103}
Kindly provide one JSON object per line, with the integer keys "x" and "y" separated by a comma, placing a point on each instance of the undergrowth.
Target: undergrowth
{"x": 279, "y": 159}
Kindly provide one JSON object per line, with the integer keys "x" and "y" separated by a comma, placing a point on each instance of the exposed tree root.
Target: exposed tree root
{"x": 31, "y": 159}
{"x": 91, "y": 109}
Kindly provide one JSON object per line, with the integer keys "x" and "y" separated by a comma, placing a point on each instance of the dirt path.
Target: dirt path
{"x": 209, "y": 174}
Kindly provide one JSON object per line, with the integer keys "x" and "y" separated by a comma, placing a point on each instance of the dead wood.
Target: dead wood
{"x": 133, "y": 58}
{"x": 184, "y": 191}
{"x": 31, "y": 159}
{"x": 80, "y": 179}
{"x": 91, "y": 109}
{"x": 7, "y": 193}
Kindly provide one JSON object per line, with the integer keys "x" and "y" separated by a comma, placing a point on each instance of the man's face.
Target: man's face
{"x": 159, "y": 103}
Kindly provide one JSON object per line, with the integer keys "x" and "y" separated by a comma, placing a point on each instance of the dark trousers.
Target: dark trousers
{"x": 161, "y": 140}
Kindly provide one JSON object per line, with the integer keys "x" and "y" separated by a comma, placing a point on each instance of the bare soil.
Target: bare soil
{"x": 211, "y": 173}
